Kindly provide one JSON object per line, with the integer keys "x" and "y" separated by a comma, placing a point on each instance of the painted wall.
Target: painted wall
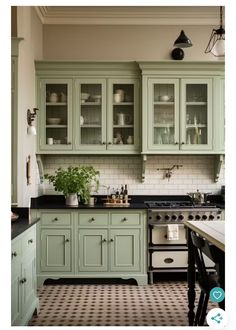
{"x": 76, "y": 42}
{"x": 29, "y": 28}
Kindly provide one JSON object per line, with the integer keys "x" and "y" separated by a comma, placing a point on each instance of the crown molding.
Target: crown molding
{"x": 129, "y": 15}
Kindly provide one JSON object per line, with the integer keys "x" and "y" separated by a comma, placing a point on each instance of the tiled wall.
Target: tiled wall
{"x": 197, "y": 172}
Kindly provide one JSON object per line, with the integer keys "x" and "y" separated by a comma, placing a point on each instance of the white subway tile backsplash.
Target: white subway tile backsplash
{"x": 197, "y": 172}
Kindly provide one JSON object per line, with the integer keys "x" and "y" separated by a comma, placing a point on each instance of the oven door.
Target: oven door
{"x": 159, "y": 235}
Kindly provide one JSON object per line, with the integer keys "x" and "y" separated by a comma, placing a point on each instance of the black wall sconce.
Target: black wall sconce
{"x": 31, "y": 130}
{"x": 181, "y": 42}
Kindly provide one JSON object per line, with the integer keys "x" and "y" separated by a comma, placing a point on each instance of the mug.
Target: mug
{"x": 92, "y": 201}
{"x": 118, "y": 98}
{"x": 49, "y": 140}
{"x": 53, "y": 97}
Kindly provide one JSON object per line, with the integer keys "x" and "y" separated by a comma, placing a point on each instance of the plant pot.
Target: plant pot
{"x": 72, "y": 200}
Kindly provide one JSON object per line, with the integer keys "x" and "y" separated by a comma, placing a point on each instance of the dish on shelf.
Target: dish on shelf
{"x": 53, "y": 121}
{"x": 84, "y": 96}
{"x": 164, "y": 98}
{"x": 97, "y": 98}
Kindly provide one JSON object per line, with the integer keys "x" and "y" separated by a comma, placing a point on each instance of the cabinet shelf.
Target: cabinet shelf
{"x": 56, "y": 103}
{"x": 123, "y": 126}
{"x": 91, "y": 126}
{"x": 163, "y": 103}
{"x": 196, "y": 126}
{"x": 91, "y": 103}
{"x": 164, "y": 125}
{"x": 196, "y": 103}
{"x": 56, "y": 126}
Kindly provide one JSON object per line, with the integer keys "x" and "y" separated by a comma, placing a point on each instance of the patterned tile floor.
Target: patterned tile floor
{"x": 162, "y": 304}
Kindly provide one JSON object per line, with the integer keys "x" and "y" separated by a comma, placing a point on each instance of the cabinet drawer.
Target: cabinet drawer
{"x": 15, "y": 252}
{"x": 56, "y": 219}
{"x": 125, "y": 219}
{"x": 93, "y": 219}
{"x": 29, "y": 241}
{"x": 169, "y": 259}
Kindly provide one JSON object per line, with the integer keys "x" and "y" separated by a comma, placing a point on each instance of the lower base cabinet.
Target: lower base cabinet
{"x": 97, "y": 244}
{"x": 24, "y": 300}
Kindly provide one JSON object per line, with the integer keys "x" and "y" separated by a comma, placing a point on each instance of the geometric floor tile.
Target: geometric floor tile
{"x": 161, "y": 304}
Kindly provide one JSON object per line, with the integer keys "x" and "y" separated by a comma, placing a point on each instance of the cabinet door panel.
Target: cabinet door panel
{"x": 29, "y": 286}
{"x": 92, "y": 250}
{"x": 15, "y": 294}
{"x": 125, "y": 249}
{"x": 196, "y": 115}
{"x": 56, "y": 250}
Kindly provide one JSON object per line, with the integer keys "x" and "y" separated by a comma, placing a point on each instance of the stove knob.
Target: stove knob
{"x": 190, "y": 217}
{"x": 197, "y": 217}
{"x": 174, "y": 217}
{"x": 204, "y": 217}
{"x": 211, "y": 217}
{"x": 181, "y": 217}
{"x": 167, "y": 217}
{"x": 158, "y": 217}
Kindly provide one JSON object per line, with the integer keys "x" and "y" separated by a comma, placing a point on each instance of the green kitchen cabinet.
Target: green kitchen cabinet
{"x": 24, "y": 299}
{"x": 91, "y": 244}
{"x": 180, "y": 107}
{"x": 56, "y": 250}
{"x": 90, "y": 118}
{"x": 55, "y": 115}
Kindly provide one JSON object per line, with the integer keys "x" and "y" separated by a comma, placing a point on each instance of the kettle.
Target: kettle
{"x": 198, "y": 197}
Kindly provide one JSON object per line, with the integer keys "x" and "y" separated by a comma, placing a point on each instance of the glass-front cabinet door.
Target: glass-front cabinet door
{"x": 122, "y": 115}
{"x": 196, "y": 119}
{"x": 55, "y": 114}
{"x": 90, "y": 114}
{"x": 163, "y": 114}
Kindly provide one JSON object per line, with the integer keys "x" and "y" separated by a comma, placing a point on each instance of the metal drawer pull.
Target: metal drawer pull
{"x": 124, "y": 219}
{"x": 168, "y": 260}
{"x": 104, "y": 240}
{"x": 55, "y": 219}
{"x": 23, "y": 280}
{"x": 14, "y": 254}
{"x": 30, "y": 241}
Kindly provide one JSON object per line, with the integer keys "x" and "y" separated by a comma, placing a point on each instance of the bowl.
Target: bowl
{"x": 84, "y": 96}
{"x": 97, "y": 98}
{"x": 164, "y": 98}
{"x": 54, "y": 121}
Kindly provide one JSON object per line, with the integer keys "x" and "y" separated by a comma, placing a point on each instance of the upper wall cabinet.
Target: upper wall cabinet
{"x": 182, "y": 110}
{"x": 87, "y": 107}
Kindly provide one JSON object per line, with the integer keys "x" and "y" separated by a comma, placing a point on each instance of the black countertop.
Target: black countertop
{"x": 136, "y": 202}
{"x": 22, "y": 223}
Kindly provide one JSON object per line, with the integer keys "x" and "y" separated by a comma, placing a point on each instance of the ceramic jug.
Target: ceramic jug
{"x": 123, "y": 119}
{"x": 53, "y": 97}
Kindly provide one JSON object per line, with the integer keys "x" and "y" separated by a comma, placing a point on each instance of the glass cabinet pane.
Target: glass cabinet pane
{"x": 196, "y": 124}
{"x": 91, "y": 113}
{"x": 123, "y": 114}
{"x": 163, "y": 105}
{"x": 56, "y": 113}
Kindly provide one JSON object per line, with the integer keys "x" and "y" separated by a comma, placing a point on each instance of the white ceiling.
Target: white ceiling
{"x": 129, "y": 15}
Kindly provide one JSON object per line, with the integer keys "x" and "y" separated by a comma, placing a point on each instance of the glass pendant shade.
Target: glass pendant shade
{"x": 182, "y": 41}
{"x": 216, "y": 44}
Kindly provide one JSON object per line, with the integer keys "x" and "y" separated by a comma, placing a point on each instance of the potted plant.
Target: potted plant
{"x": 74, "y": 181}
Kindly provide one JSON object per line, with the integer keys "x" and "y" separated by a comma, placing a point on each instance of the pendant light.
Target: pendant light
{"x": 216, "y": 44}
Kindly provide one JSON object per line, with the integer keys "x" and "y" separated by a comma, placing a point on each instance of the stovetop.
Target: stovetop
{"x": 176, "y": 205}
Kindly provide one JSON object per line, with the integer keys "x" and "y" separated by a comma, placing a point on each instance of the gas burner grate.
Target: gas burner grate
{"x": 169, "y": 204}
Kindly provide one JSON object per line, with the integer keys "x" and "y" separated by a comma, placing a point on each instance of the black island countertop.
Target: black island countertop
{"x": 22, "y": 223}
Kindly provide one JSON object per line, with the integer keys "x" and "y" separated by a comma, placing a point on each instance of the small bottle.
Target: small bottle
{"x": 117, "y": 194}
{"x": 121, "y": 194}
{"x": 113, "y": 195}
{"x": 126, "y": 194}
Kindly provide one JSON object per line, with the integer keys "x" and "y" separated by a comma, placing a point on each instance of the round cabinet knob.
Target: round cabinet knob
{"x": 181, "y": 217}
{"x": 30, "y": 241}
{"x": 176, "y": 142}
{"x": 124, "y": 219}
{"x": 14, "y": 254}
{"x": 158, "y": 217}
{"x": 182, "y": 142}
{"x": 167, "y": 217}
{"x": 197, "y": 217}
{"x": 92, "y": 219}
{"x": 55, "y": 219}
{"x": 103, "y": 142}
{"x": 190, "y": 217}
{"x": 104, "y": 240}
{"x": 204, "y": 217}
{"x": 67, "y": 240}
{"x": 211, "y": 217}
{"x": 111, "y": 240}
{"x": 174, "y": 217}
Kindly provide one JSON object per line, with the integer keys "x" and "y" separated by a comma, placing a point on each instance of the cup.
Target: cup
{"x": 53, "y": 97}
{"x": 118, "y": 98}
{"x": 50, "y": 141}
{"x": 92, "y": 201}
